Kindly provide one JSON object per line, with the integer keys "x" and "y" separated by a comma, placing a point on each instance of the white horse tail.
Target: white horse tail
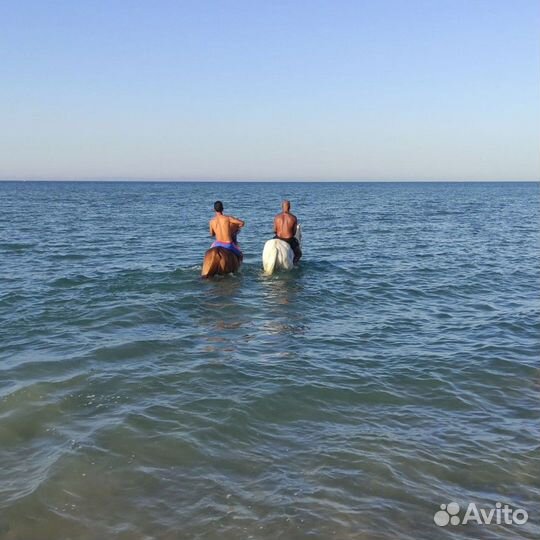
{"x": 270, "y": 256}
{"x": 298, "y": 234}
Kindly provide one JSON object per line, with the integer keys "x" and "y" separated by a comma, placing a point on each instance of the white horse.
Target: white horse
{"x": 278, "y": 254}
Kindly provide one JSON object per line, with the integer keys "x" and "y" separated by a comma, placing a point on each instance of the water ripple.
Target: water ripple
{"x": 395, "y": 370}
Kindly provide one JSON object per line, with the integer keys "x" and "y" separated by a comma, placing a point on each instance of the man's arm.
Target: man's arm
{"x": 236, "y": 221}
{"x": 275, "y": 224}
{"x": 295, "y": 227}
{"x": 212, "y": 232}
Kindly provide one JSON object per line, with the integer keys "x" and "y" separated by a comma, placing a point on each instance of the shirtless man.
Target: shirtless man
{"x": 285, "y": 229}
{"x": 225, "y": 228}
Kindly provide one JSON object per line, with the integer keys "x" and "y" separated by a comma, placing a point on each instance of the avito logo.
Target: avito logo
{"x": 449, "y": 514}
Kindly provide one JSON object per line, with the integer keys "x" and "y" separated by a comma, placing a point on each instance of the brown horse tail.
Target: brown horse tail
{"x": 211, "y": 262}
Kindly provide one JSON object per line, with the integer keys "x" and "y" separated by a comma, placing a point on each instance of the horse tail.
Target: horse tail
{"x": 270, "y": 255}
{"x": 298, "y": 234}
{"x": 211, "y": 262}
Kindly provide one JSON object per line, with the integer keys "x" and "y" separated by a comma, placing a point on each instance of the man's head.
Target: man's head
{"x": 218, "y": 206}
{"x": 286, "y": 206}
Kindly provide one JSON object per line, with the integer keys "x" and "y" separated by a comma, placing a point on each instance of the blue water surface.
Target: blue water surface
{"x": 397, "y": 369}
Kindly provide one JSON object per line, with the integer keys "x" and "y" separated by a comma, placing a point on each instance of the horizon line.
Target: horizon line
{"x": 261, "y": 181}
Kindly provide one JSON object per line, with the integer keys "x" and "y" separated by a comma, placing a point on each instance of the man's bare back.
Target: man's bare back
{"x": 285, "y": 225}
{"x": 225, "y": 228}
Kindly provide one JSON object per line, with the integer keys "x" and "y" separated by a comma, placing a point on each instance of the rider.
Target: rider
{"x": 285, "y": 228}
{"x": 225, "y": 228}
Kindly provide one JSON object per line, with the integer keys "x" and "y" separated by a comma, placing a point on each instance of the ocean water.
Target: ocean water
{"x": 397, "y": 369}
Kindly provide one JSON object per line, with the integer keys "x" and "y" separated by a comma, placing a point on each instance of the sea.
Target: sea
{"x": 377, "y": 391}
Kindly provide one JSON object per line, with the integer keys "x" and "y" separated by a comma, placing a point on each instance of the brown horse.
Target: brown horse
{"x": 218, "y": 260}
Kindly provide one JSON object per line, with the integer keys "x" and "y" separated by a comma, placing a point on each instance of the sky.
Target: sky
{"x": 270, "y": 90}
